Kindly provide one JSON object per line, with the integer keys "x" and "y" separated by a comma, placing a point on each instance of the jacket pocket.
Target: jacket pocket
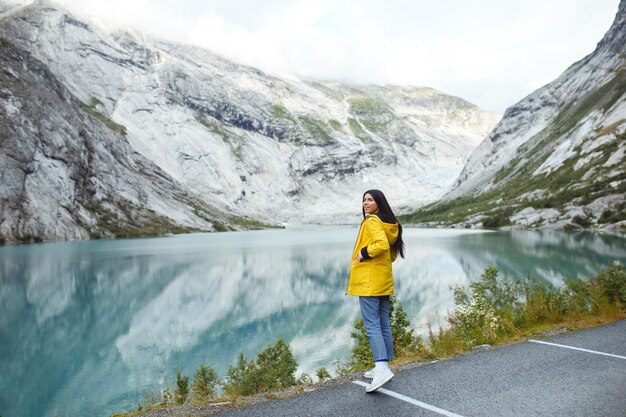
{"x": 360, "y": 274}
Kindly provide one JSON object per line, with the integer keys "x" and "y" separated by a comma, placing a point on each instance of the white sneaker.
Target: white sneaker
{"x": 369, "y": 374}
{"x": 381, "y": 377}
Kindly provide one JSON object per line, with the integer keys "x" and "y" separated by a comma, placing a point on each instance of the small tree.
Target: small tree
{"x": 166, "y": 395}
{"x": 404, "y": 340}
{"x": 361, "y": 354}
{"x": 276, "y": 367}
{"x": 304, "y": 379}
{"x": 203, "y": 388}
{"x": 241, "y": 377}
{"x": 182, "y": 388}
{"x": 322, "y": 373}
{"x": 612, "y": 281}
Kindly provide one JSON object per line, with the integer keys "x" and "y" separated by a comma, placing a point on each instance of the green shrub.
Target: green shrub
{"x": 605, "y": 216}
{"x": 370, "y": 106}
{"x": 581, "y": 221}
{"x": 499, "y": 293}
{"x": 487, "y": 309}
{"x": 497, "y": 220}
{"x": 274, "y": 368}
{"x": 613, "y": 216}
{"x": 612, "y": 281}
{"x": 476, "y": 319}
{"x": 579, "y": 297}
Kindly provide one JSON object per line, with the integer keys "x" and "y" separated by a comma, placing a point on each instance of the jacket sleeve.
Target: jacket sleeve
{"x": 380, "y": 243}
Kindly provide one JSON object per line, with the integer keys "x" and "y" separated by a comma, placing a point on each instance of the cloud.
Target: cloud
{"x": 489, "y": 52}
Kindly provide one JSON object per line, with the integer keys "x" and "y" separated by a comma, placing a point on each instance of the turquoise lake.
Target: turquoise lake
{"x": 86, "y": 328}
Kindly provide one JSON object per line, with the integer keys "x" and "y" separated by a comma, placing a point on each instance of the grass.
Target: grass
{"x": 245, "y": 222}
{"x": 317, "y": 129}
{"x": 358, "y": 130}
{"x": 336, "y": 126}
{"x": 375, "y": 126}
{"x": 251, "y": 224}
{"x": 374, "y": 114}
{"x": 280, "y": 112}
{"x": 91, "y": 109}
{"x": 216, "y": 128}
{"x": 369, "y": 105}
{"x": 130, "y": 226}
{"x": 508, "y": 170}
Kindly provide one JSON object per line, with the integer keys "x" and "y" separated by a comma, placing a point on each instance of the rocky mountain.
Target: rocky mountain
{"x": 236, "y": 139}
{"x": 68, "y": 172}
{"x": 556, "y": 159}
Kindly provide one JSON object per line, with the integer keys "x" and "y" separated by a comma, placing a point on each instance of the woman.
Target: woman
{"x": 378, "y": 244}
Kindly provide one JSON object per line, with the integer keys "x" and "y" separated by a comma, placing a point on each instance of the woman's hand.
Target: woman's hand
{"x": 359, "y": 258}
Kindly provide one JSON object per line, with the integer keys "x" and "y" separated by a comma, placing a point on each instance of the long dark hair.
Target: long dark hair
{"x": 386, "y": 215}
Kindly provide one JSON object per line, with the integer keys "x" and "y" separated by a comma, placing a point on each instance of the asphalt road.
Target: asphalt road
{"x": 523, "y": 379}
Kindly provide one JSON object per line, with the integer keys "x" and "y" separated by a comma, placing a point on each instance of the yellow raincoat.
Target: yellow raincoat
{"x": 372, "y": 277}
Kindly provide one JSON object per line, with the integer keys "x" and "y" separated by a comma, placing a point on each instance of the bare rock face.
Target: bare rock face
{"x": 68, "y": 172}
{"x": 560, "y": 148}
{"x": 248, "y": 143}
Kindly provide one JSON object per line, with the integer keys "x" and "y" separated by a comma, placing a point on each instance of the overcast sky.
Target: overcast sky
{"x": 489, "y": 52}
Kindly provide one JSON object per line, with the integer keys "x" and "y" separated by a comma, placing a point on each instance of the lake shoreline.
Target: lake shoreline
{"x": 614, "y": 229}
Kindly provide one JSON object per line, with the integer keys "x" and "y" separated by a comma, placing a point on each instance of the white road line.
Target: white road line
{"x": 575, "y": 348}
{"x": 411, "y": 400}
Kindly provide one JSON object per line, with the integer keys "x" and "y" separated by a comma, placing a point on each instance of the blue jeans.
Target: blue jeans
{"x": 375, "y": 312}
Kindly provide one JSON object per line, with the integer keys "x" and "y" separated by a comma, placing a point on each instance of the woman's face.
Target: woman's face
{"x": 369, "y": 205}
